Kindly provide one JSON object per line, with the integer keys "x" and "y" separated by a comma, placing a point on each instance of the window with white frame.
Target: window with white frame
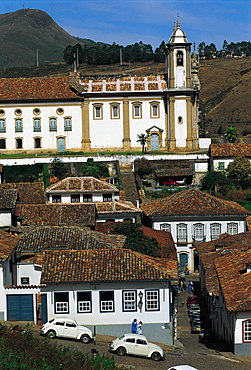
{"x": 37, "y": 125}
{"x": 232, "y": 228}
{"x": 215, "y": 231}
{"x": 2, "y": 125}
{"x": 53, "y": 124}
{"x": 114, "y": 110}
{"x": 97, "y": 111}
{"x": 129, "y": 300}
{"x": 106, "y": 301}
{"x": 61, "y": 302}
{"x": 182, "y": 233}
{"x": 198, "y": 232}
{"x": 154, "y": 113}
{"x": 246, "y": 331}
{"x": 84, "y": 302}
{"x": 152, "y": 300}
{"x": 19, "y": 125}
{"x": 165, "y": 227}
{"x": 67, "y": 124}
{"x": 137, "y": 110}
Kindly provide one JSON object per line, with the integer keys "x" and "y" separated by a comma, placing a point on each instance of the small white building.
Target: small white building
{"x": 194, "y": 216}
{"x": 220, "y": 155}
{"x": 81, "y": 190}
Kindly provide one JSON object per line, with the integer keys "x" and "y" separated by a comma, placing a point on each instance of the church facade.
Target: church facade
{"x": 106, "y": 113}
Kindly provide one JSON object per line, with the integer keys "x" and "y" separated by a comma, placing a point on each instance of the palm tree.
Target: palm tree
{"x": 142, "y": 139}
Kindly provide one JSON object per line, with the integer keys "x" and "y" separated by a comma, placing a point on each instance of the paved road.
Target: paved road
{"x": 186, "y": 351}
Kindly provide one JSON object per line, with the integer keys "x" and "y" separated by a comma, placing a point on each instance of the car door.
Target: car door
{"x": 130, "y": 345}
{"x": 70, "y": 329}
{"x": 59, "y": 324}
{"x": 141, "y": 347}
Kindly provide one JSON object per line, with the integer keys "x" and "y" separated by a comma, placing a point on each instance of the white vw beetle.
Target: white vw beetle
{"x": 136, "y": 344}
{"x": 67, "y": 328}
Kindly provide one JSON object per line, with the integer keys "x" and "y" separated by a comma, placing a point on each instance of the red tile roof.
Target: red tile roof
{"x": 7, "y": 244}
{"x": 192, "y": 202}
{"x": 8, "y": 199}
{"x": 104, "y": 265}
{"x": 117, "y": 206}
{"x": 235, "y": 281}
{"x": 59, "y": 214}
{"x": 28, "y": 192}
{"x": 81, "y": 184}
{"x": 36, "y": 88}
{"x": 230, "y": 150}
{"x": 165, "y": 240}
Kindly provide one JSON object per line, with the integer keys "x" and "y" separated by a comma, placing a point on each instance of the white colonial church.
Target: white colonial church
{"x": 92, "y": 114}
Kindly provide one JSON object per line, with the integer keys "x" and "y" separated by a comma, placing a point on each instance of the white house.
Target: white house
{"x": 8, "y": 199}
{"x": 81, "y": 190}
{"x": 220, "y": 155}
{"x": 97, "y": 113}
{"x": 194, "y": 216}
{"x": 227, "y": 277}
{"x": 109, "y": 288}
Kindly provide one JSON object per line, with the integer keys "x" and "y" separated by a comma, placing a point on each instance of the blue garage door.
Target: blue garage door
{"x": 20, "y": 307}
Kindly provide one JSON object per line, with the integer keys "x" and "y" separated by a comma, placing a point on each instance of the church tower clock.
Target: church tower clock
{"x": 182, "y": 93}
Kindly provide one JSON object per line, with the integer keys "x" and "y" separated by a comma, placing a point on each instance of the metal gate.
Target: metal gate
{"x": 20, "y": 307}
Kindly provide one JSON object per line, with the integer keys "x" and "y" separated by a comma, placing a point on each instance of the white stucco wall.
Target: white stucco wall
{"x": 5, "y": 218}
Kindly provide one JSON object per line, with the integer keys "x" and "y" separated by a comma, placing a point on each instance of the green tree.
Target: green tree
{"x": 142, "y": 139}
{"x": 214, "y": 181}
{"x": 58, "y": 168}
{"x": 136, "y": 239}
{"x": 97, "y": 170}
{"x": 239, "y": 171}
{"x": 160, "y": 53}
{"x": 231, "y": 134}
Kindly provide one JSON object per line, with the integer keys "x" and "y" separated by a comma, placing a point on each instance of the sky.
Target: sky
{"x": 150, "y": 21}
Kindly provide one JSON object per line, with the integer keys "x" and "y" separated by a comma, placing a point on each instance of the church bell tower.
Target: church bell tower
{"x": 182, "y": 93}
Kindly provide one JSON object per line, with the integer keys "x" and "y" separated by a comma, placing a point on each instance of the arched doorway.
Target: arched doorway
{"x": 154, "y": 142}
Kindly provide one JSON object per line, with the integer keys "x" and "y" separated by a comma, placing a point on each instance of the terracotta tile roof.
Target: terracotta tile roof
{"x": 36, "y": 88}
{"x": 235, "y": 281}
{"x": 28, "y": 192}
{"x": 62, "y": 237}
{"x": 81, "y": 184}
{"x": 165, "y": 167}
{"x": 230, "y": 150}
{"x": 7, "y": 244}
{"x": 117, "y": 206}
{"x": 8, "y": 199}
{"x": 192, "y": 202}
{"x": 59, "y": 214}
{"x": 103, "y": 265}
{"x": 165, "y": 241}
{"x": 209, "y": 251}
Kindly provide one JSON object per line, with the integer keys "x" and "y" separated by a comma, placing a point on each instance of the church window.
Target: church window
{"x": 137, "y": 110}
{"x": 53, "y": 124}
{"x": 19, "y": 143}
{"x": 37, "y": 142}
{"x": 180, "y": 120}
{"x": 19, "y": 125}
{"x": 2, "y": 125}
{"x": 154, "y": 110}
{"x": 37, "y": 125}
{"x": 67, "y": 124}
{"x": 2, "y": 144}
{"x": 180, "y": 58}
{"x": 60, "y": 111}
{"x": 97, "y": 111}
{"x": 114, "y": 110}
{"x": 18, "y": 112}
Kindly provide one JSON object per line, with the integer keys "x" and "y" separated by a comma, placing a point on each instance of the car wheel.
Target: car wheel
{"x": 51, "y": 334}
{"x": 156, "y": 356}
{"x": 85, "y": 338}
{"x": 121, "y": 351}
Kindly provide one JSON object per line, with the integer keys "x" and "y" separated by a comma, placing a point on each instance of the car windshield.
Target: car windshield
{"x": 50, "y": 321}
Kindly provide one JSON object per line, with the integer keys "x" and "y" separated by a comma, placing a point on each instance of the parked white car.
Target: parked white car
{"x": 66, "y": 328}
{"x": 136, "y": 344}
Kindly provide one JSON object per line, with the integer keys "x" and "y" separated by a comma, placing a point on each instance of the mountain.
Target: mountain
{"x": 27, "y": 30}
